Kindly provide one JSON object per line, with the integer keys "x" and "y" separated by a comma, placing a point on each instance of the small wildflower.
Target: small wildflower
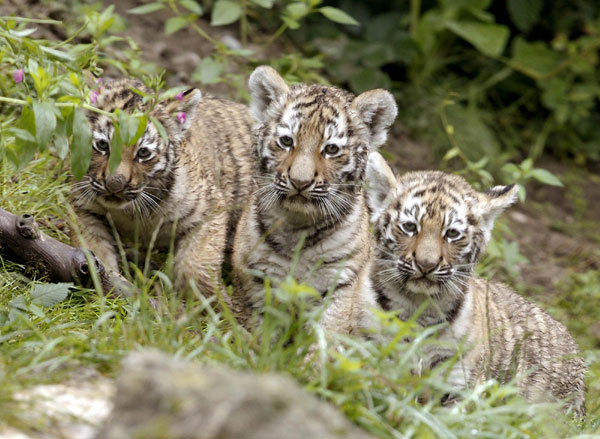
{"x": 99, "y": 81}
{"x": 93, "y": 96}
{"x": 179, "y": 96}
{"x": 18, "y": 75}
{"x": 181, "y": 117}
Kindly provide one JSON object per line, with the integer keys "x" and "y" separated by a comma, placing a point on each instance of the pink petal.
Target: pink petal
{"x": 179, "y": 96}
{"x": 93, "y": 97}
{"x": 181, "y": 117}
{"x": 18, "y": 75}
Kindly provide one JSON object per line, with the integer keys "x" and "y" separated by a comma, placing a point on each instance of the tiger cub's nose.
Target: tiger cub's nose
{"x": 299, "y": 184}
{"x": 426, "y": 266}
{"x": 115, "y": 183}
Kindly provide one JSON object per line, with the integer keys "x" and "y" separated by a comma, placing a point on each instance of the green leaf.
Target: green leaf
{"x": 128, "y": 125}
{"x": 22, "y": 134}
{"x": 512, "y": 170}
{"x": 297, "y": 10}
{"x": 64, "y": 127}
{"x": 45, "y": 123}
{"x": 26, "y": 148}
{"x": 208, "y": 71}
{"x": 57, "y": 53}
{"x": 453, "y": 152}
{"x": 174, "y": 24}
{"x": 471, "y": 134}
{"x": 141, "y": 128}
{"x": 337, "y": 15}
{"x": 16, "y": 306}
{"x": 225, "y": 12}
{"x": 527, "y": 164}
{"x": 81, "y": 144}
{"x": 534, "y": 59}
{"x": 48, "y": 295}
{"x": 23, "y": 32}
{"x": 525, "y": 13}
{"x": 161, "y": 129}
{"x": 268, "y": 4}
{"x": 172, "y": 92}
{"x": 290, "y": 22}
{"x": 489, "y": 39}
{"x": 546, "y": 177}
{"x": 116, "y": 149}
{"x": 191, "y": 5}
{"x": 36, "y": 310}
{"x": 147, "y": 9}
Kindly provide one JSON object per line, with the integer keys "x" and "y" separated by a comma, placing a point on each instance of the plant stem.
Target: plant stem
{"x": 415, "y": 13}
{"x": 203, "y": 34}
{"x": 31, "y": 20}
{"x": 450, "y": 136}
{"x": 197, "y": 28}
{"x": 244, "y": 23}
{"x": 276, "y": 35}
{"x": 58, "y": 104}
{"x": 77, "y": 32}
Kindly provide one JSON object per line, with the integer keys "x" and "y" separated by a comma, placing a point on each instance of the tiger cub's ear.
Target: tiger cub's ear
{"x": 266, "y": 88}
{"x": 378, "y": 110}
{"x": 493, "y": 202}
{"x": 183, "y": 109}
{"x": 381, "y": 183}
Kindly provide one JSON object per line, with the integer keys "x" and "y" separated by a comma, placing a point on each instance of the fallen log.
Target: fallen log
{"x": 22, "y": 241}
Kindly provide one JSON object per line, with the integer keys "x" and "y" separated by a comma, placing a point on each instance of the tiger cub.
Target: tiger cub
{"x": 190, "y": 189}
{"x": 430, "y": 230}
{"x": 312, "y": 145}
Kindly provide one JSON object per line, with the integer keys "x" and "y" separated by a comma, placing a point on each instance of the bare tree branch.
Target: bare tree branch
{"x": 21, "y": 241}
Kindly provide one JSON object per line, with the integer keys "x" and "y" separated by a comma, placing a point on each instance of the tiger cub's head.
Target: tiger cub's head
{"x": 144, "y": 174}
{"x": 431, "y": 227}
{"x": 313, "y": 142}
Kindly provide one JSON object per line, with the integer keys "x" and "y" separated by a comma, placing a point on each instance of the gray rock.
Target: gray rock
{"x": 158, "y": 397}
{"x": 74, "y": 409}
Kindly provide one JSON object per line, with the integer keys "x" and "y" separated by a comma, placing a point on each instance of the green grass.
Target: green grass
{"x": 371, "y": 384}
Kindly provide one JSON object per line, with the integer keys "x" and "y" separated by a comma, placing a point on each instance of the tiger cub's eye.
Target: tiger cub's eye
{"x": 101, "y": 145}
{"x": 409, "y": 227}
{"x": 286, "y": 142}
{"x": 332, "y": 149}
{"x": 452, "y": 233}
{"x": 144, "y": 153}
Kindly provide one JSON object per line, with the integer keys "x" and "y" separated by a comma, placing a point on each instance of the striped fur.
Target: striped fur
{"x": 310, "y": 189}
{"x": 431, "y": 229}
{"x": 194, "y": 185}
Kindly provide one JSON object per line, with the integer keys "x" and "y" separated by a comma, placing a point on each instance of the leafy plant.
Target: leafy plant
{"x": 486, "y": 55}
{"x": 217, "y": 67}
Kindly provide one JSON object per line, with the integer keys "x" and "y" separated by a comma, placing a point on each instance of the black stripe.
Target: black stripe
{"x": 337, "y": 287}
{"x": 452, "y": 314}
{"x": 383, "y": 300}
{"x": 438, "y": 360}
{"x": 262, "y": 229}
{"x": 98, "y": 216}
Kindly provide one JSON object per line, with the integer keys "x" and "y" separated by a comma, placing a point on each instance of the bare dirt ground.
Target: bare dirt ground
{"x": 558, "y": 229}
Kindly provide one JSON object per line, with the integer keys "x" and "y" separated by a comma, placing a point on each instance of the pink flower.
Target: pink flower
{"x": 179, "y": 96}
{"x": 93, "y": 96}
{"x": 99, "y": 81}
{"x": 181, "y": 117}
{"x": 18, "y": 75}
